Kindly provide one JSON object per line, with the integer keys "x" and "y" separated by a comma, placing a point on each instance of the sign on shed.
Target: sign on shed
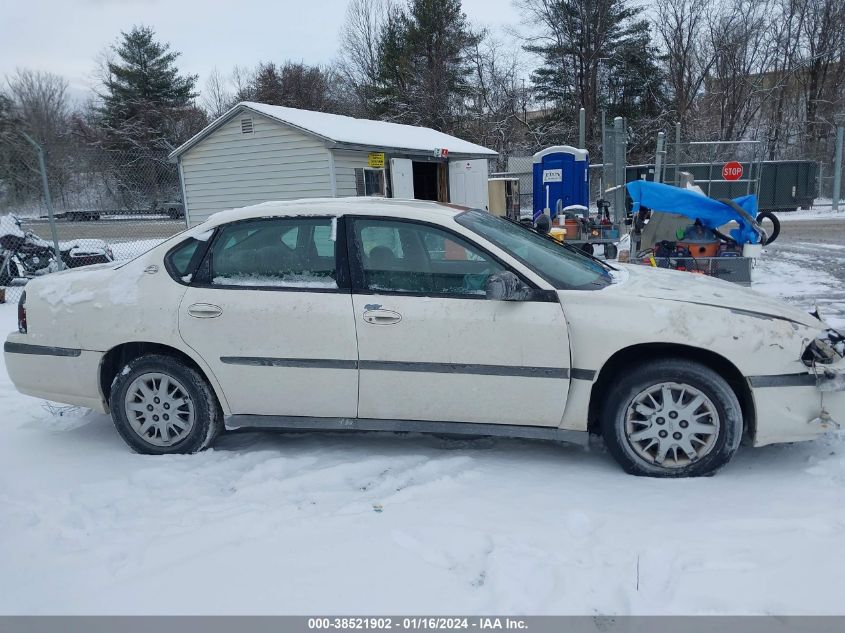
{"x": 375, "y": 160}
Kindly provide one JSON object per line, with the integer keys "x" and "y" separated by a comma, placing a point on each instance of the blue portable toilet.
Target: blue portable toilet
{"x": 561, "y": 179}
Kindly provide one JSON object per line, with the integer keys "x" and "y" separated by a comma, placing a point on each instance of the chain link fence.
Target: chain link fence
{"x": 108, "y": 205}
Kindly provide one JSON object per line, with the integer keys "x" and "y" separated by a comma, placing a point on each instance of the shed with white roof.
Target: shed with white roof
{"x": 257, "y": 152}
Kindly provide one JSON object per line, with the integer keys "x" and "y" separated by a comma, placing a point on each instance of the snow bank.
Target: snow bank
{"x": 822, "y": 209}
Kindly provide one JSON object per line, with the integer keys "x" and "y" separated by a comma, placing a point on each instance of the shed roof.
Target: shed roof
{"x": 342, "y": 131}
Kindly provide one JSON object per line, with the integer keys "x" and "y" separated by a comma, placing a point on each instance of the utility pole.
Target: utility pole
{"x": 48, "y": 200}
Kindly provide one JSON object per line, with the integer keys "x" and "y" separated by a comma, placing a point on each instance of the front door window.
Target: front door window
{"x": 408, "y": 257}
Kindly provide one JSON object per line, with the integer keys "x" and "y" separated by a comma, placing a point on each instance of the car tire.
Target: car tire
{"x": 650, "y": 437}
{"x": 162, "y": 406}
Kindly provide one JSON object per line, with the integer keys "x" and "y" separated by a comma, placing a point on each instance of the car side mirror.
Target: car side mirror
{"x": 506, "y": 286}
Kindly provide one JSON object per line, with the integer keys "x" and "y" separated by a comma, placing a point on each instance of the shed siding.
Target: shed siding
{"x": 230, "y": 169}
{"x": 345, "y": 164}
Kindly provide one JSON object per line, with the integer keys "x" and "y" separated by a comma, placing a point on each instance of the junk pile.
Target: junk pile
{"x": 683, "y": 229}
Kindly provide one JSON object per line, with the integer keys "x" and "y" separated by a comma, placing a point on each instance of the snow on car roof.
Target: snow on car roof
{"x": 391, "y": 207}
{"x": 350, "y": 131}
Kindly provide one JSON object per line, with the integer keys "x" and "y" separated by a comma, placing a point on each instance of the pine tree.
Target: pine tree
{"x": 143, "y": 89}
{"x": 596, "y": 54}
{"x": 424, "y": 64}
{"x": 292, "y": 84}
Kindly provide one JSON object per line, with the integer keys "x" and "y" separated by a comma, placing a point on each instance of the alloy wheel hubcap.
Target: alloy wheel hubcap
{"x": 159, "y": 409}
{"x": 671, "y": 425}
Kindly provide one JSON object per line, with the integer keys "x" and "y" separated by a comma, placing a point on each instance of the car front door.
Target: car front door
{"x": 433, "y": 347}
{"x": 271, "y": 313}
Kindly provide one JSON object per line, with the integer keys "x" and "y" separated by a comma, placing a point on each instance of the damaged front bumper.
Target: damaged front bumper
{"x": 827, "y": 381}
{"x": 803, "y": 406}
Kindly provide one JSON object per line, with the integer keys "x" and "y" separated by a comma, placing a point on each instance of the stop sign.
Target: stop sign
{"x": 732, "y": 171}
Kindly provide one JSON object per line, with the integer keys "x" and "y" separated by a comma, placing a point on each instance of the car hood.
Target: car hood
{"x": 683, "y": 287}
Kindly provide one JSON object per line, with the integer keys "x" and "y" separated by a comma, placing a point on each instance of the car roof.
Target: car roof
{"x": 359, "y": 205}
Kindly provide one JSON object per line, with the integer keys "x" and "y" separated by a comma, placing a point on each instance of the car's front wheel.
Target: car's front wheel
{"x": 160, "y": 405}
{"x": 672, "y": 418}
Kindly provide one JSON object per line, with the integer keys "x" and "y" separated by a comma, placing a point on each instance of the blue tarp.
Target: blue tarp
{"x": 697, "y": 206}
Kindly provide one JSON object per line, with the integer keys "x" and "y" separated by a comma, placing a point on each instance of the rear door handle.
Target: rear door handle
{"x": 205, "y": 311}
{"x": 382, "y": 317}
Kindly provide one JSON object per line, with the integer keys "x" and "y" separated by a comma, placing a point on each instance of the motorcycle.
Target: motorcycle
{"x": 24, "y": 255}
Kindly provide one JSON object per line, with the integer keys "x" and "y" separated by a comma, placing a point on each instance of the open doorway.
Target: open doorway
{"x": 419, "y": 180}
{"x": 425, "y": 181}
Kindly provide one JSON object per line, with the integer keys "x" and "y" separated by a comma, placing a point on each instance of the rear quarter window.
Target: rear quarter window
{"x": 180, "y": 261}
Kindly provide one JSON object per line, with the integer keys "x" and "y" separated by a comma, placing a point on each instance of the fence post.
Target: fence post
{"x": 603, "y": 181}
{"x": 47, "y": 199}
{"x": 658, "y": 157}
{"x": 582, "y": 129}
{"x": 678, "y": 154}
{"x": 619, "y": 156}
{"x": 837, "y": 166}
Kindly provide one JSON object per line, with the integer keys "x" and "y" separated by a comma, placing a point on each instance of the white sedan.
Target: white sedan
{"x": 369, "y": 314}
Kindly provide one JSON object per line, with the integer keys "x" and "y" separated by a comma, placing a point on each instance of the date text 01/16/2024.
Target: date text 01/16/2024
{"x": 416, "y": 623}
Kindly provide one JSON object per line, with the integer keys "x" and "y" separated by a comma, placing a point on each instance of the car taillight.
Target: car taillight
{"x": 22, "y": 314}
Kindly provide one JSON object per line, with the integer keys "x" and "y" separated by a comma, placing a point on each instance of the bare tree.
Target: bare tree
{"x": 41, "y": 102}
{"x": 243, "y": 82}
{"x": 822, "y": 72}
{"x": 681, "y": 27}
{"x": 38, "y": 103}
{"x": 217, "y": 97}
{"x": 357, "y": 64}
{"x": 496, "y": 117}
{"x": 743, "y": 53}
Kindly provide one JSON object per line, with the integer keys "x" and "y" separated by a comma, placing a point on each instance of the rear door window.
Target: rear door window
{"x": 278, "y": 253}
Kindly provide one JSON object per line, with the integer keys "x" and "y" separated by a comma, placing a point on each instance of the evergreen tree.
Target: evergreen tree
{"x": 425, "y": 64}
{"x": 292, "y": 84}
{"x": 143, "y": 89}
{"x": 595, "y": 54}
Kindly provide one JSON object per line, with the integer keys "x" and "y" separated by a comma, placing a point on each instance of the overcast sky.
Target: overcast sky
{"x": 65, "y": 36}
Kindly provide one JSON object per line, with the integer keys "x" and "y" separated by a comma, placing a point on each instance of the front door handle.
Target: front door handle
{"x": 382, "y": 317}
{"x": 205, "y": 311}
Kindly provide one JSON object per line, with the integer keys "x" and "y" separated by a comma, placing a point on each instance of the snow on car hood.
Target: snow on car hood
{"x": 672, "y": 285}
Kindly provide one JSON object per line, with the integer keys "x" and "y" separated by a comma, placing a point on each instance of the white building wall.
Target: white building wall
{"x": 230, "y": 169}
{"x": 345, "y": 164}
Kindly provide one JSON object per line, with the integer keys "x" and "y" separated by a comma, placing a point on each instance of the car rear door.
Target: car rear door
{"x": 270, "y": 311}
{"x": 433, "y": 347}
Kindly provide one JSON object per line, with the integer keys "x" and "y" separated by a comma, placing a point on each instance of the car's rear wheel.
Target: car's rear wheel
{"x": 160, "y": 405}
{"x": 672, "y": 418}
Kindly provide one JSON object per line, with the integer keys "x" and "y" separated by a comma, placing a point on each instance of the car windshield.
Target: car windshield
{"x": 564, "y": 267}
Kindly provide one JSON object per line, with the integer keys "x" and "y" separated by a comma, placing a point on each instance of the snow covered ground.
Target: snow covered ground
{"x": 273, "y": 523}
{"x": 822, "y": 209}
